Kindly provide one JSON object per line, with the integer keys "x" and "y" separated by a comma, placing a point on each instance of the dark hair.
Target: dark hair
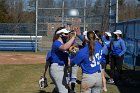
{"x": 99, "y": 34}
{"x": 115, "y": 36}
{"x": 120, "y": 35}
{"x": 91, "y": 43}
{"x": 56, "y": 36}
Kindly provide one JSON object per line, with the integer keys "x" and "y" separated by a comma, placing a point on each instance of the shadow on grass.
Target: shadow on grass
{"x": 43, "y": 91}
{"x": 130, "y": 82}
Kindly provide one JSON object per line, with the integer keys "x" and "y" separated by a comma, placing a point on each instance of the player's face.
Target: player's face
{"x": 64, "y": 37}
{"x": 107, "y": 37}
{"x": 65, "y": 34}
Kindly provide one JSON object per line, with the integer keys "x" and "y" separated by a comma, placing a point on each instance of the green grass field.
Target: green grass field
{"x": 24, "y": 79}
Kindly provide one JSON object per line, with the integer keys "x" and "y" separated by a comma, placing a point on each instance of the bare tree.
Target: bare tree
{"x": 105, "y": 17}
{"x": 128, "y": 11}
{"x": 15, "y": 10}
{"x": 4, "y": 16}
{"x": 18, "y": 11}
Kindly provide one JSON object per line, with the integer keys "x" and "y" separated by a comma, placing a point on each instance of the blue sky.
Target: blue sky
{"x": 26, "y": 5}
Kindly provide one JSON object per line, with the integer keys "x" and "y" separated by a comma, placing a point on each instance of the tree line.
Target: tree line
{"x": 128, "y": 11}
{"x": 12, "y": 11}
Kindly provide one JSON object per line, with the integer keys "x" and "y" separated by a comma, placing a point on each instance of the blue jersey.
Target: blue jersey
{"x": 104, "y": 53}
{"x": 48, "y": 57}
{"x": 105, "y": 50}
{"x": 82, "y": 57}
{"x": 106, "y": 42}
{"x": 118, "y": 47}
{"x": 58, "y": 56}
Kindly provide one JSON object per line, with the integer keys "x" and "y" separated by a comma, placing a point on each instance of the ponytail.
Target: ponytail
{"x": 91, "y": 43}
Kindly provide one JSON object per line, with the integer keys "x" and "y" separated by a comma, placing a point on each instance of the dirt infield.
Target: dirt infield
{"x": 21, "y": 58}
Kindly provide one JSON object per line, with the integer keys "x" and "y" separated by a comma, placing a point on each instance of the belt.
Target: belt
{"x": 60, "y": 64}
{"x": 99, "y": 71}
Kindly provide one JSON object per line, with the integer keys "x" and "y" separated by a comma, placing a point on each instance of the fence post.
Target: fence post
{"x": 134, "y": 47}
{"x": 36, "y": 25}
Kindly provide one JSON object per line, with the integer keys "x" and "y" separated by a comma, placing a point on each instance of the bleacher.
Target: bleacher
{"x": 18, "y": 43}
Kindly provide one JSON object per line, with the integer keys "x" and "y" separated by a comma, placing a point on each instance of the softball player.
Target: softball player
{"x": 118, "y": 49}
{"x": 106, "y": 41}
{"x": 103, "y": 63}
{"x": 73, "y": 77}
{"x": 105, "y": 51}
{"x": 74, "y": 69}
{"x": 60, "y": 58}
{"x": 89, "y": 59}
{"x": 48, "y": 60}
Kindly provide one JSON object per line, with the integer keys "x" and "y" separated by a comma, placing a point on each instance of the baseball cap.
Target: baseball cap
{"x": 62, "y": 31}
{"x": 85, "y": 33}
{"x": 118, "y": 32}
{"x": 108, "y": 33}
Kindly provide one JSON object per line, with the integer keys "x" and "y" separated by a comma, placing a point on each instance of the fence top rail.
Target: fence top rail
{"x": 10, "y": 36}
{"x": 130, "y": 21}
{"x": 19, "y": 37}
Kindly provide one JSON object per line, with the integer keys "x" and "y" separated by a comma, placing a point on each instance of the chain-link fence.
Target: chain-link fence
{"x": 131, "y": 34}
{"x": 17, "y": 29}
{"x": 79, "y": 14}
{"x": 51, "y": 14}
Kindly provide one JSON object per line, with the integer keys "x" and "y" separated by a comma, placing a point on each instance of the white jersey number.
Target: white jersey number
{"x": 95, "y": 62}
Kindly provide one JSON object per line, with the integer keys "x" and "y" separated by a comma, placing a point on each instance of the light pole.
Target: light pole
{"x": 116, "y": 11}
{"x": 85, "y": 15}
{"x": 36, "y": 26}
{"x": 63, "y": 13}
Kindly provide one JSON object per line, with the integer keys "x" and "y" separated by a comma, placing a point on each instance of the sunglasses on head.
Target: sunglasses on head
{"x": 66, "y": 33}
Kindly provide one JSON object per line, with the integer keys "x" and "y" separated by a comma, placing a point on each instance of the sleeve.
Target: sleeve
{"x": 102, "y": 56}
{"x": 111, "y": 46}
{"x": 123, "y": 48}
{"x": 78, "y": 58}
{"x": 105, "y": 50}
{"x": 48, "y": 57}
{"x": 103, "y": 60}
{"x": 57, "y": 44}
